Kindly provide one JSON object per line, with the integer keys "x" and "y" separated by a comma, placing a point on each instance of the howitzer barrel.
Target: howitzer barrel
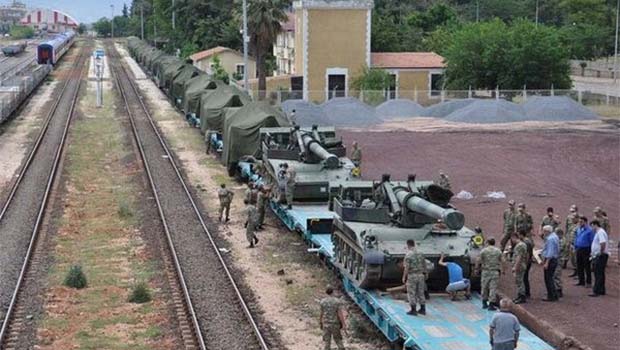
{"x": 454, "y": 219}
{"x": 330, "y": 159}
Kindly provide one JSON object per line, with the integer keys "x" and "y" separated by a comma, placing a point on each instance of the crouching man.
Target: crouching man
{"x": 456, "y": 281}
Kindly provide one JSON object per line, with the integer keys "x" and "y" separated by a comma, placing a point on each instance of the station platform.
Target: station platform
{"x": 448, "y": 325}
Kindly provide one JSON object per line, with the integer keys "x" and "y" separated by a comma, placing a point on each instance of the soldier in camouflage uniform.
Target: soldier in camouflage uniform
{"x": 225, "y": 196}
{"x": 250, "y": 224}
{"x": 557, "y": 274}
{"x": 332, "y": 319}
{"x": 601, "y": 216}
{"x": 263, "y": 199}
{"x": 356, "y": 155}
{"x": 523, "y": 220}
{"x": 251, "y": 193}
{"x": 570, "y": 225}
{"x": 509, "y": 224}
{"x": 491, "y": 264}
{"x": 530, "y": 253}
{"x": 549, "y": 219}
{"x": 291, "y": 178}
{"x": 520, "y": 258}
{"x": 414, "y": 277}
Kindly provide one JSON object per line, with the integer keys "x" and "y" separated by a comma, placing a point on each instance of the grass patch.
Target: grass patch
{"x": 140, "y": 294}
{"x": 76, "y": 278}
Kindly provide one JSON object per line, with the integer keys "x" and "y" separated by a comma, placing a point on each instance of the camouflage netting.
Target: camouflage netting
{"x": 194, "y": 88}
{"x": 241, "y": 129}
{"x": 214, "y": 104}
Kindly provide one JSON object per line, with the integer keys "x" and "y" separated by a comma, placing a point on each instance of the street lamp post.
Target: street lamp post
{"x": 537, "y": 12}
{"x": 112, "y": 20}
{"x": 616, "y": 43}
{"x": 142, "y": 19}
{"x": 173, "y": 16}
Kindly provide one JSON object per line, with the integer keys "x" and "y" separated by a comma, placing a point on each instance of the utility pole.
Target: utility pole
{"x": 616, "y": 43}
{"x": 112, "y": 20}
{"x": 142, "y": 19}
{"x": 477, "y": 11}
{"x": 173, "y": 16}
{"x": 245, "y": 45}
{"x": 536, "y": 12}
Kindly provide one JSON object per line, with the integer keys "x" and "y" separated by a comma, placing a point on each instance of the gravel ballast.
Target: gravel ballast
{"x": 399, "y": 108}
{"x": 556, "y": 108}
{"x": 488, "y": 111}
{"x": 442, "y": 109}
{"x": 306, "y": 113}
{"x": 349, "y": 112}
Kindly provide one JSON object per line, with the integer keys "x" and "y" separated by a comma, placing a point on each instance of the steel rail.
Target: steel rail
{"x": 170, "y": 157}
{"x": 7, "y": 318}
{"x": 177, "y": 264}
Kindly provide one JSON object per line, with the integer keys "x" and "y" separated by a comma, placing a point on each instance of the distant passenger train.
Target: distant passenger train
{"x": 52, "y": 50}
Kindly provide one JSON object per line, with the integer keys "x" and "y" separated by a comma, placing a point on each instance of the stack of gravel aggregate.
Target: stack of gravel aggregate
{"x": 349, "y": 111}
{"x": 306, "y": 113}
{"x": 556, "y": 108}
{"x": 399, "y": 108}
{"x": 488, "y": 111}
{"x": 442, "y": 109}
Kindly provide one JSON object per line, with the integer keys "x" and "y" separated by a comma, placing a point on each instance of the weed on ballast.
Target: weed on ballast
{"x": 76, "y": 278}
{"x": 124, "y": 210}
{"x": 140, "y": 294}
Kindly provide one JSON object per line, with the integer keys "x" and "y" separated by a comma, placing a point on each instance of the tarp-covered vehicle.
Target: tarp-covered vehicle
{"x": 178, "y": 84}
{"x": 242, "y": 130}
{"x": 213, "y": 106}
{"x": 194, "y": 88}
{"x": 161, "y": 66}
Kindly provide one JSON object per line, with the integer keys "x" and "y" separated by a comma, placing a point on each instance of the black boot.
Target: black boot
{"x": 485, "y": 304}
{"x": 413, "y": 310}
{"x": 255, "y": 239}
{"x": 493, "y": 306}
{"x": 559, "y": 293}
{"x": 422, "y": 310}
{"x": 520, "y": 300}
{"x": 427, "y": 295}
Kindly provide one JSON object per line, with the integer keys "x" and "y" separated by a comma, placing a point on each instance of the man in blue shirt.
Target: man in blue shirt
{"x": 456, "y": 281}
{"x": 583, "y": 243}
{"x": 550, "y": 254}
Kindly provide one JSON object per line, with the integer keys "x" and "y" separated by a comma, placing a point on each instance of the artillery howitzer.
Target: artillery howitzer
{"x": 319, "y": 159}
{"x": 375, "y": 220}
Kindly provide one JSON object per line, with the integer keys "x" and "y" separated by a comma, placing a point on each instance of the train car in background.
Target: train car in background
{"x": 14, "y": 50}
{"x": 51, "y": 51}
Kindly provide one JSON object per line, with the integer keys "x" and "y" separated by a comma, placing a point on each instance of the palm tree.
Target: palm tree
{"x": 264, "y": 18}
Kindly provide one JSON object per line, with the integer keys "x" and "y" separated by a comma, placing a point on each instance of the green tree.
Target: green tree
{"x": 587, "y": 41}
{"x": 438, "y": 14}
{"x": 217, "y": 71}
{"x": 125, "y": 10}
{"x": 264, "y": 17}
{"x": 21, "y": 32}
{"x": 372, "y": 83}
{"x": 490, "y": 54}
{"x": 81, "y": 29}
{"x": 103, "y": 27}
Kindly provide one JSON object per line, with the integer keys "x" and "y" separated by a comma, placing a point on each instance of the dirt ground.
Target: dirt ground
{"x": 540, "y": 167}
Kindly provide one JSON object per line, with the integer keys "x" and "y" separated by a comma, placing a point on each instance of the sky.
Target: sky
{"x": 86, "y": 11}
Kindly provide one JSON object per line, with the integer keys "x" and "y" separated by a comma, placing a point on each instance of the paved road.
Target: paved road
{"x": 597, "y": 85}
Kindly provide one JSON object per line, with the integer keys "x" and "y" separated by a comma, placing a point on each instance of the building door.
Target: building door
{"x": 297, "y": 87}
{"x": 391, "y": 91}
{"x": 336, "y": 85}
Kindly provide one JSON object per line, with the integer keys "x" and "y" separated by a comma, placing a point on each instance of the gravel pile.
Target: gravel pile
{"x": 399, "y": 108}
{"x": 306, "y": 113}
{"x": 556, "y": 108}
{"x": 440, "y": 110}
{"x": 349, "y": 111}
{"x": 488, "y": 111}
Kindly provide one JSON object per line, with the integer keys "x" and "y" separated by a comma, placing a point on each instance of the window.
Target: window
{"x": 240, "y": 69}
{"x": 436, "y": 84}
{"x": 336, "y": 85}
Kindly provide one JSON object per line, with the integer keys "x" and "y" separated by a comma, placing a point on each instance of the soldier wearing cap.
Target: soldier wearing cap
{"x": 509, "y": 224}
{"x": 356, "y": 155}
{"x": 291, "y": 180}
{"x": 332, "y": 319}
{"x": 523, "y": 220}
{"x": 570, "y": 230}
{"x": 490, "y": 264}
{"x": 414, "y": 277}
{"x": 601, "y": 216}
{"x": 550, "y": 219}
{"x": 262, "y": 199}
{"x": 225, "y": 196}
{"x": 250, "y": 224}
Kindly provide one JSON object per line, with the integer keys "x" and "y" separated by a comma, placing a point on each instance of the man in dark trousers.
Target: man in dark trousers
{"x": 583, "y": 243}
{"x": 550, "y": 254}
{"x": 600, "y": 254}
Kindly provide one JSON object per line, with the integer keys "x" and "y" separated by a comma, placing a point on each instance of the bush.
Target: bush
{"x": 21, "y": 32}
{"x": 140, "y": 294}
{"x": 124, "y": 210}
{"x": 76, "y": 278}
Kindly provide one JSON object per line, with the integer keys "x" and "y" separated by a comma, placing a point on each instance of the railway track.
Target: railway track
{"x": 220, "y": 316}
{"x": 24, "y": 210}
{"x": 11, "y": 66}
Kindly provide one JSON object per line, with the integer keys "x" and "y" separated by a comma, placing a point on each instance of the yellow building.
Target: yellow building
{"x": 231, "y": 61}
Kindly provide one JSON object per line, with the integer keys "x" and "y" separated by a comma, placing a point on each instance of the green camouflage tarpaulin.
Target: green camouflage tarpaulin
{"x": 241, "y": 129}
{"x": 193, "y": 89}
{"x": 213, "y": 105}
{"x": 178, "y": 83}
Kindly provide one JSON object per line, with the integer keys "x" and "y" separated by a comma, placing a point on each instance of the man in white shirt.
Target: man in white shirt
{"x": 600, "y": 254}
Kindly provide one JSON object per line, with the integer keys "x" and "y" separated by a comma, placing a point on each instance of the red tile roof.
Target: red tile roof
{"x": 406, "y": 60}
{"x": 208, "y": 53}
{"x": 289, "y": 25}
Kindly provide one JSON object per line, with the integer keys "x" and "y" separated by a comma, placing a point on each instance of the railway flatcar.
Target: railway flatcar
{"x": 51, "y": 51}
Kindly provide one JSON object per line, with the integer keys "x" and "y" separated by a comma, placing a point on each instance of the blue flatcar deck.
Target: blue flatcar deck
{"x": 448, "y": 325}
